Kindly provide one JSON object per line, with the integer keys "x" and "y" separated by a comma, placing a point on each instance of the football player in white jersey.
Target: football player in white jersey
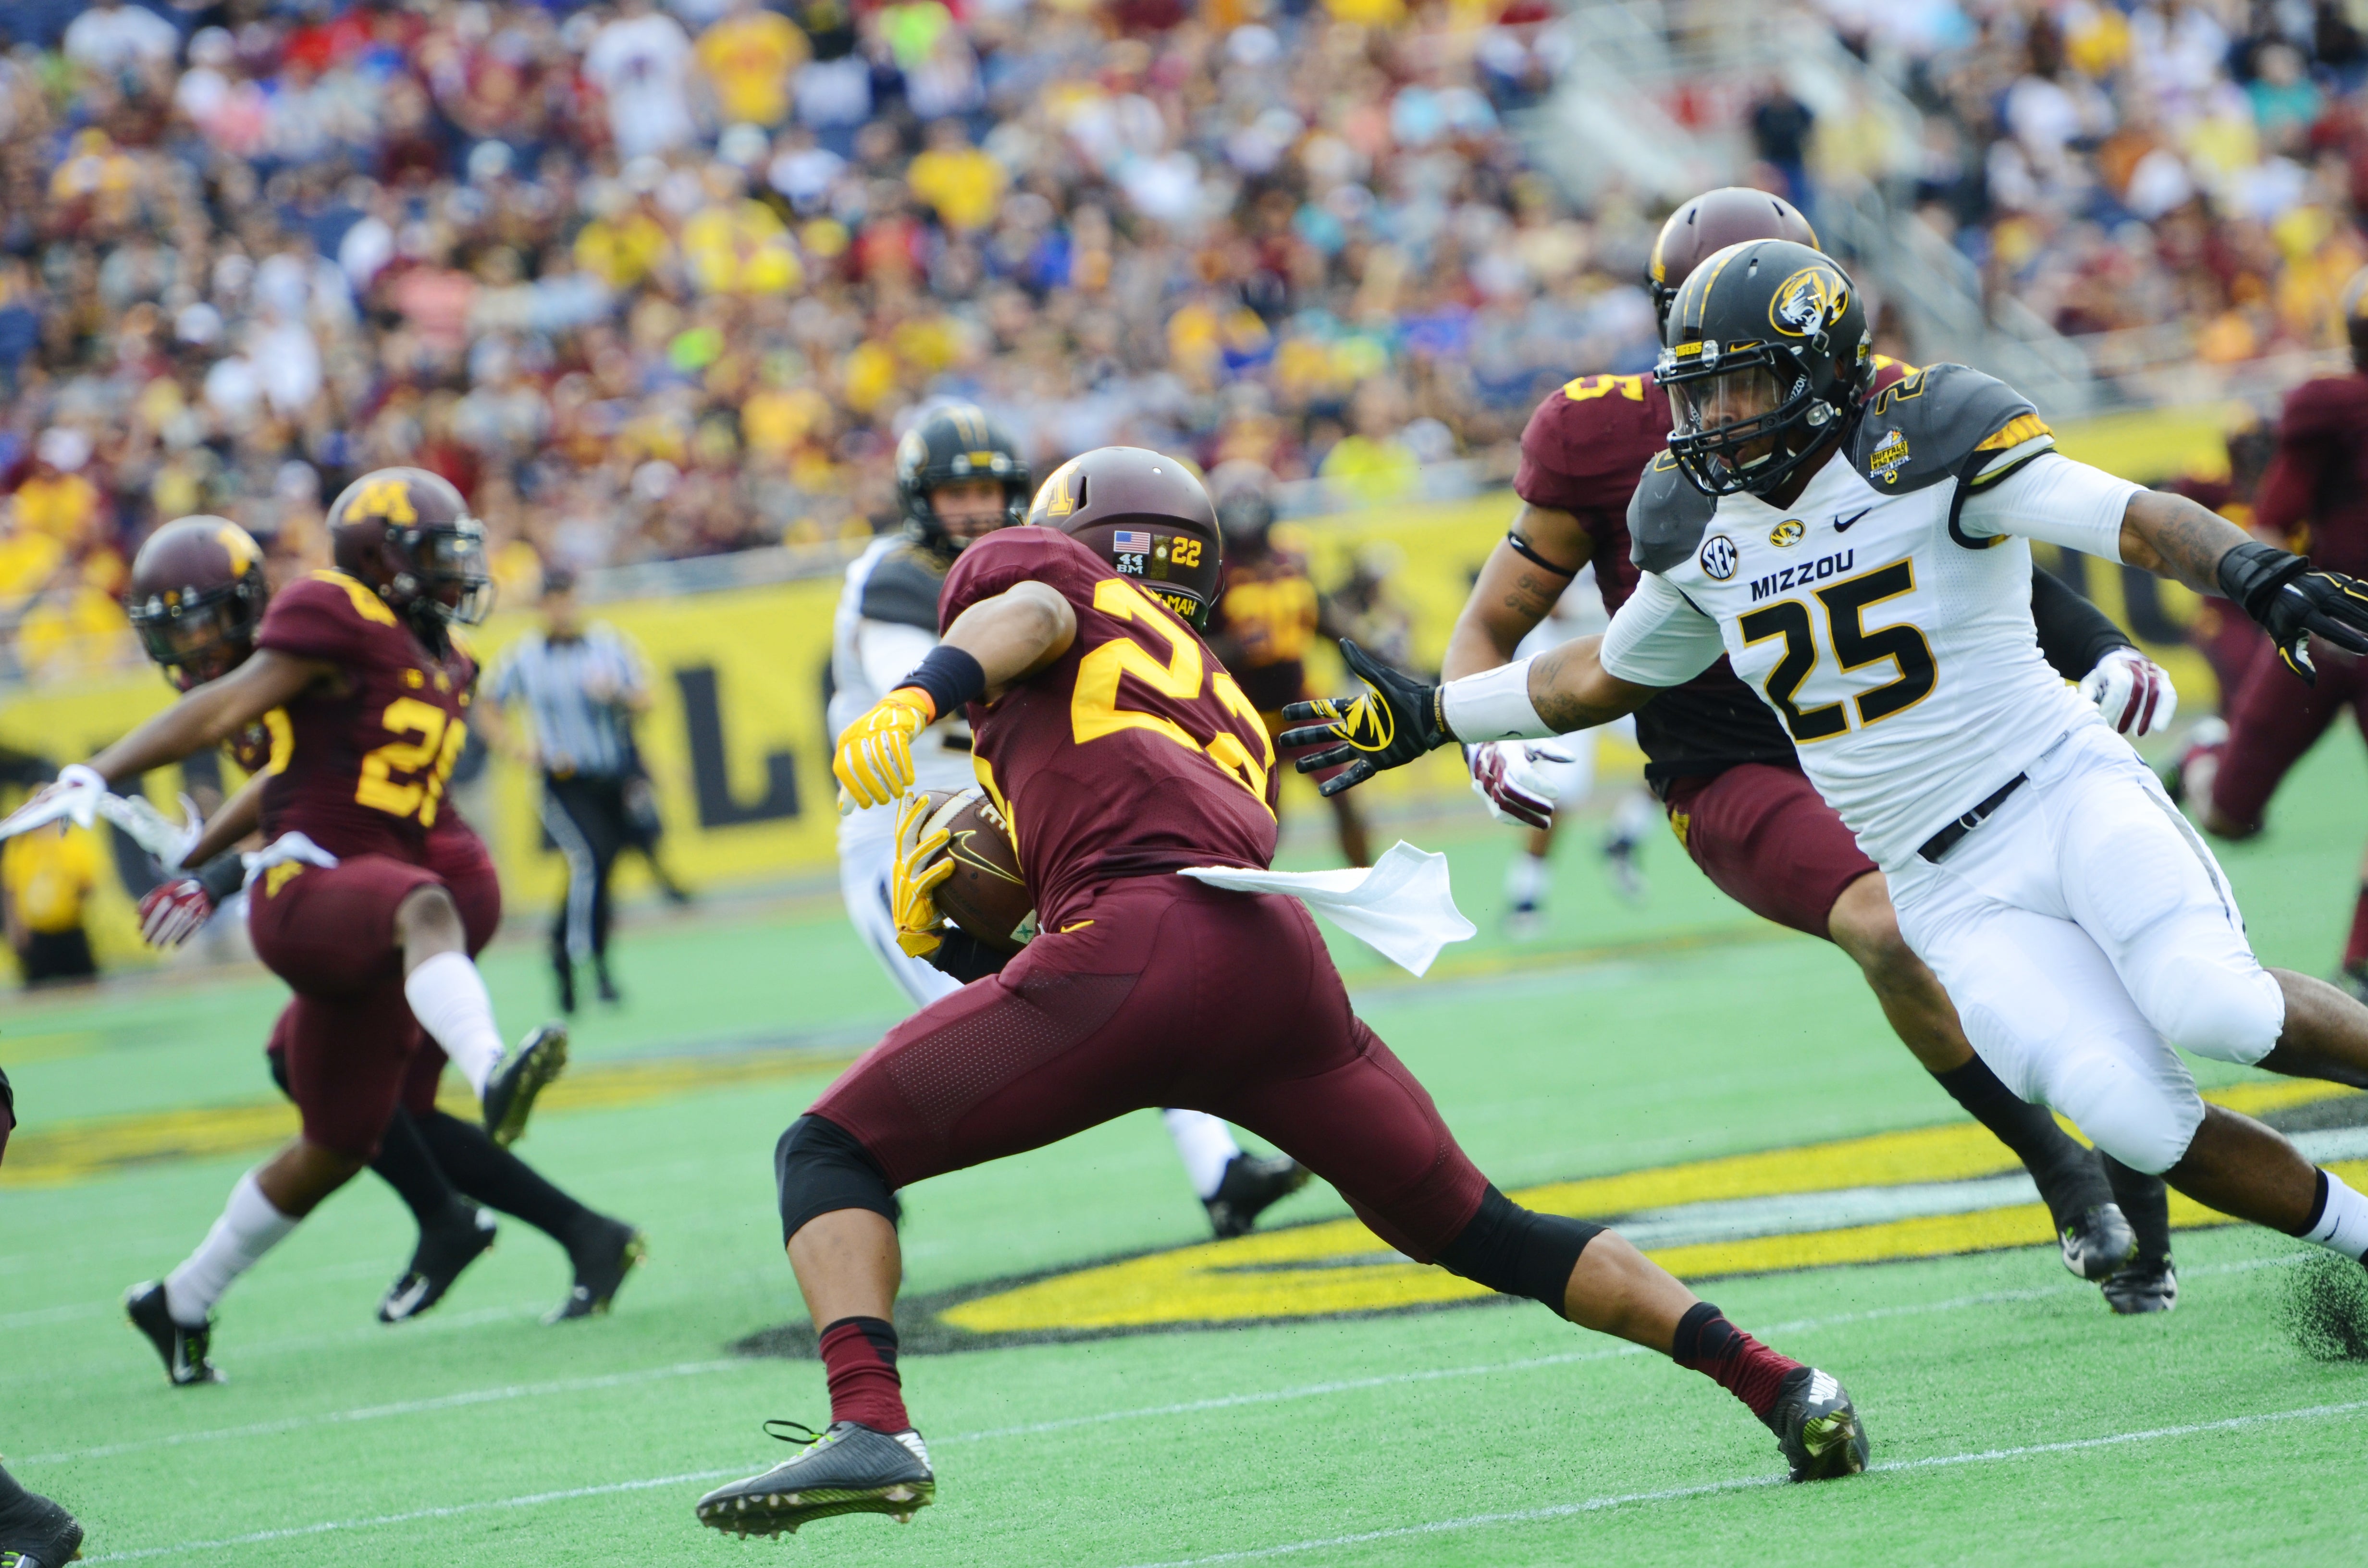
{"x": 1866, "y": 566}
{"x": 959, "y": 476}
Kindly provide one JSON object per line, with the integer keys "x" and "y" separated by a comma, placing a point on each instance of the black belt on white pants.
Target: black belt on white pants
{"x": 1941, "y": 843}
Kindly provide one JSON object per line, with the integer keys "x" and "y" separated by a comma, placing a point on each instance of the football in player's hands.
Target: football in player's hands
{"x": 2133, "y": 692}
{"x": 173, "y": 911}
{"x": 987, "y": 894}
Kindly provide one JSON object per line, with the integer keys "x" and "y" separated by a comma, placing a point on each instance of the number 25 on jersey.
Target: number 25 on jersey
{"x": 1854, "y": 647}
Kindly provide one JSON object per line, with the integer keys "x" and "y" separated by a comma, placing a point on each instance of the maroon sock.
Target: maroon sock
{"x": 1737, "y": 1362}
{"x": 859, "y": 1354}
{"x": 2355, "y": 950}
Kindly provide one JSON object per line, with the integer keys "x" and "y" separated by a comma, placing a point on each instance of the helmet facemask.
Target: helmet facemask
{"x": 451, "y": 581}
{"x": 199, "y": 637}
{"x": 1747, "y": 418}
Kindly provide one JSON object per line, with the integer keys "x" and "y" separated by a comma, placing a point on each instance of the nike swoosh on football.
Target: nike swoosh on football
{"x": 1843, "y": 525}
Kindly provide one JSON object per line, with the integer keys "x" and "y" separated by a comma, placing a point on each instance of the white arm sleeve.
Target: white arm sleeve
{"x": 2054, "y": 498}
{"x": 1660, "y": 638}
{"x": 889, "y": 650}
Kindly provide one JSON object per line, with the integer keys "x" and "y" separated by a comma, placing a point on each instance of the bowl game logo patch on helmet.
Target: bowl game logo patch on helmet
{"x": 1718, "y": 558}
{"x": 1809, "y": 299}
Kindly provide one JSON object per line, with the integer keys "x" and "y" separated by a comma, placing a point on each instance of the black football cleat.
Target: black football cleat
{"x": 601, "y": 1265}
{"x": 1251, "y": 1184}
{"x": 520, "y": 1076}
{"x": 183, "y": 1350}
{"x": 445, "y": 1249}
{"x": 2099, "y": 1244}
{"x": 2148, "y": 1285}
{"x": 849, "y": 1469}
{"x": 1817, "y": 1427}
{"x": 34, "y": 1532}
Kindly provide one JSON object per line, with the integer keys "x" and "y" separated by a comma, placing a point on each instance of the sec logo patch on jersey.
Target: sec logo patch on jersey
{"x": 1718, "y": 558}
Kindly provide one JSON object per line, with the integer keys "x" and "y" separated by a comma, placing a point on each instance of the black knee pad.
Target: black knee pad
{"x": 820, "y": 1168}
{"x": 1518, "y": 1250}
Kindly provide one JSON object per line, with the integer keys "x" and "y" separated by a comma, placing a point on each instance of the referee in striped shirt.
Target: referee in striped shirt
{"x": 580, "y": 687}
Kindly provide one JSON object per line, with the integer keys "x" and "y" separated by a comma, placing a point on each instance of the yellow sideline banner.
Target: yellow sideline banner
{"x": 735, "y": 741}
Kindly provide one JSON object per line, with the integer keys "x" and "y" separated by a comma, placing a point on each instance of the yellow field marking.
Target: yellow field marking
{"x": 1340, "y": 1266}
{"x": 19, "y": 1051}
{"x": 63, "y": 1153}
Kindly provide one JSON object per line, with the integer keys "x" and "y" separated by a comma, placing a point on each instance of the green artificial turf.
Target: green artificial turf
{"x": 1489, "y": 1435}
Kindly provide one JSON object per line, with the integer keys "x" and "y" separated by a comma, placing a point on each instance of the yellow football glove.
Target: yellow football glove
{"x": 874, "y": 763}
{"x": 920, "y": 864}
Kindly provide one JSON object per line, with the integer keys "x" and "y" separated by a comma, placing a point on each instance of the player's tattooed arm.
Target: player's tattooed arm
{"x": 1015, "y": 634}
{"x": 1514, "y": 591}
{"x": 2176, "y": 538}
{"x": 212, "y": 713}
{"x": 1572, "y": 691}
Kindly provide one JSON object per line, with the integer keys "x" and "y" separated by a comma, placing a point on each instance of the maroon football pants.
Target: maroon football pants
{"x": 1767, "y": 839}
{"x": 354, "y": 1051}
{"x": 1163, "y": 991}
{"x": 2275, "y": 717}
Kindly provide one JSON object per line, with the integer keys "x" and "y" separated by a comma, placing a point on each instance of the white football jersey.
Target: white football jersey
{"x": 885, "y": 624}
{"x": 1885, "y": 615}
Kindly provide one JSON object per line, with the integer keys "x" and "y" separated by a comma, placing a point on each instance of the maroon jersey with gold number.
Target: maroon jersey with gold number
{"x": 366, "y": 759}
{"x": 2314, "y": 495}
{"x": 1267, "y": 605}
{"x": 1133, "y": 754}
{"x": 1582, "y": 453}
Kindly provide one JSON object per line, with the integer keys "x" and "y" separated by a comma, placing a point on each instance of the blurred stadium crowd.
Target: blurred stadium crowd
{"x": 658, "y": 282}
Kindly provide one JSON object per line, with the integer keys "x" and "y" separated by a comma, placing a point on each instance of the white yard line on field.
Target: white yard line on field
{"x": 1435, "y": 1527}
{"x": 1188, "y": 1408}
{"x": 1627, "y": 1499}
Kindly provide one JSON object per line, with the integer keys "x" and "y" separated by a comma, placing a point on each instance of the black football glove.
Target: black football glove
{"x": 2294, "y": 604}
{"x": 1396, "y": 721}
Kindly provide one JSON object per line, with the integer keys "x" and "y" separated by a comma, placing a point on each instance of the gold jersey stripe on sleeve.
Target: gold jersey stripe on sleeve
{"x": 2015, "y": 432}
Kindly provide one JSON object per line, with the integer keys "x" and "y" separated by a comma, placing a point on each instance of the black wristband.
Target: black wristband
{"x": 2253, "y": 572}
{"x": 951, "y": 677}
{"x": 964, "y": 957}
{"x": 222, "y": 875}
{"x": 1527, "y": 552}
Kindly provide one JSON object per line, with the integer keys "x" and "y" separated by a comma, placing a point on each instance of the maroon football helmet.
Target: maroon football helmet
{"x": 1147, "y": 515}
{"x": 1709, "y": 223}
{"x": 407, "y": 534}
{"x": 196, "y": 595}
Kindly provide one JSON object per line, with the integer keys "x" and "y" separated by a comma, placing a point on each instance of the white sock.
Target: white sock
{"x": 1206, "y": 1146}
{"x": 248, "y": 1228}
{"x": 1527, "y": 877}
{"x": 2343, "y": 1220}
{"x": 447, "y": 997}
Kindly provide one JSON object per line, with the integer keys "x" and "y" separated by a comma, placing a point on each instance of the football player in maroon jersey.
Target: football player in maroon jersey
{"x": 197, "y": 596}
{"x": 1727, "y": 773}
{"x": 1121, "y": 753}
{"x": 1267, "y": 612}
{"x": 2314, "y": 498}
{"x": 356, "y": 681}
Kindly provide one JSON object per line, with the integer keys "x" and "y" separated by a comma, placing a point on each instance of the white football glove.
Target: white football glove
{"x": 2133, "y": 692}
{"x": 150, "y": 829}
{"x": 1507, "y": 775}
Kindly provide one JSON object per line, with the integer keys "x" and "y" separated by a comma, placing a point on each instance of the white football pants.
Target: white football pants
{"x": 2082, "y": 931}
{"x": 867, "y": 854}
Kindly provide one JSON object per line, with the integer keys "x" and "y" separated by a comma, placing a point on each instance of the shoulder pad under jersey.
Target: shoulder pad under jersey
{"x": 902, "y": 588}
{"x": 1941, "y": 424}
{"x": 1666, "y": 517}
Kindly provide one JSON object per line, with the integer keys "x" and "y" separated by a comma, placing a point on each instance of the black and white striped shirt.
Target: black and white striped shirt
{"x": 576, "y": 731}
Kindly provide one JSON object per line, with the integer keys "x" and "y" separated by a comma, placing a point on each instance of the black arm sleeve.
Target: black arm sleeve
{"x": 222, "y": 875}
{"x": 2073, "y": 634}
{"x": 965, "y": 958}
